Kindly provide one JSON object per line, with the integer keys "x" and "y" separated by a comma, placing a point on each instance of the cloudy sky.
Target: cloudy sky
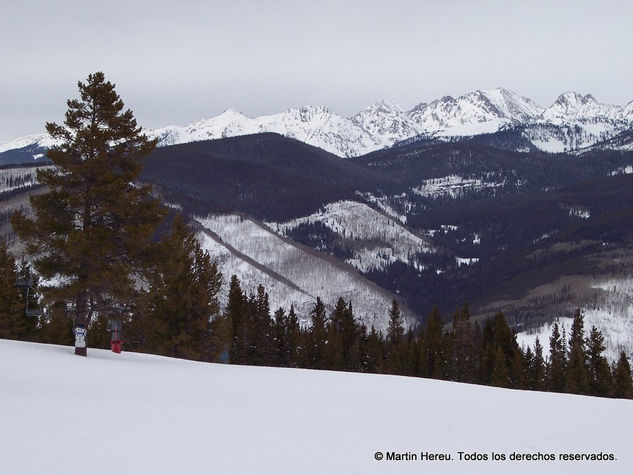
{"x": 177, "y": 61}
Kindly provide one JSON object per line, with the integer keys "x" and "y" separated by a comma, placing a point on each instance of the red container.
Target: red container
{"x": 116, "y": 346}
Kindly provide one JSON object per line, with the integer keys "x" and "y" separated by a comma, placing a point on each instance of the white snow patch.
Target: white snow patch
{"x": 579, "y": 213}
{"x": 466, "y": 261}
{"x": 140, "y": 414}
{"x": 622, "y": 171}
{"x": 453, "y": 186}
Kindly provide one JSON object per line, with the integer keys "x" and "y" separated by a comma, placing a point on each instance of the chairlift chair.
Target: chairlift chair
{"x": 27, "y": 283}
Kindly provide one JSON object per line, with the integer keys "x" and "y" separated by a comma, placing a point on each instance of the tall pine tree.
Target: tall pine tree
{"x": 577, "y": 375}
{"x": 557, "y": 365}
{"x": 183, "y": 301}
{"x": 600, "y": 380}
{"x": 235, "y": 314}
{"x": 90, "y": 229}
{"x": 622, "y": 382}
{"x": 13, "y": 321}
{"x": 317, "y": 336}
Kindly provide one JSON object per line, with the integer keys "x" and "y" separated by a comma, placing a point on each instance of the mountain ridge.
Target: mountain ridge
{"x": 574, "y": 121}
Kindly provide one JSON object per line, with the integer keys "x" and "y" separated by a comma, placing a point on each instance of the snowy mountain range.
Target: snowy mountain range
{"x": 573, "y": 122}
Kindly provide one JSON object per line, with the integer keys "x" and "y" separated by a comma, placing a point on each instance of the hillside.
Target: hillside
{"x": 291, "y": 273}
{"x": 264, "y": 175}
{"x": 134, "y": 413}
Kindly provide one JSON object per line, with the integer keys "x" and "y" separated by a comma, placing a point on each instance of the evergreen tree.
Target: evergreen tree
{"x": 434, "y": 358}
{"x": 529, "y": 363}
{"x": 600, "y": 379}
{"x": 57, "y": 327}
{"x": 395, "y": 344}
{"x": 421, "y": 363}
{"x": 344, "y": 335}
{"x": 90, "y": 229}
{"x": 500, "y": 374}
{"x": 294, "y": 338}
{"x": 557, "y": 361}
{"x": 538, "y": 367}
{"x": 183, "y": 296}
{"x": 333, "y": 358}
{"x": 12, "y": 303}
{"x": 463, "y": 365}
{"x": 395, "y": 330}
{"x": 354, "y": 339}
{"x": 220, "y": 338}
{"x": 622, "y": 383}
{"x": 235, "y": 313}
{"x": 577, "y": 376}
{"x": 374, "y": 360}
{"x": 410, "y": 354}
{"x": 280, "y": 332}
{"x": 317, "y": 336}
{"x": 262, "y": 337}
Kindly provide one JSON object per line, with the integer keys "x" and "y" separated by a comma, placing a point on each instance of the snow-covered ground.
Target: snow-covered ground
{"x": 292, "y": 273}
{"x": 377, "y": 240}
{"x": 622, "y": 171}
{"x": 611, "y": 313}
{"x": 142, "y": 414}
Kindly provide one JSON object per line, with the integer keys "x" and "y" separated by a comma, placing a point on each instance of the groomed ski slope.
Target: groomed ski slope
{"x": 140, "y": 414}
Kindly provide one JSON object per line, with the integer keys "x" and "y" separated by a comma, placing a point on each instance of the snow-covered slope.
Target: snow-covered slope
{"x": 575, "y": 122}
{"x": 572, "y": 106}
{"x": 611, "y": 313}
{"x": 474, "y": 113}
{"x": 140, "y": 414}
{"x": 387, "y": 122}
{"x": 377, "y": 240}
{"x": 39, "y": 140}
{"x": 291, "y": 274}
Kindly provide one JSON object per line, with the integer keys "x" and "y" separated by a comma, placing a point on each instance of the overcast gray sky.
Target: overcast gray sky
{"x": 180, "y": 60}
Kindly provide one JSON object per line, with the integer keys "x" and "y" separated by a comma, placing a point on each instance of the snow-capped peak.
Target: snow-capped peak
{"x": 627, "y": 112}
{"x": 511, "y": 105}
{"x": 386, "y": 121}
{"x": 382, "y": 106}
{"x": 572, "y": 106}
{"x": 473, "y": 113}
